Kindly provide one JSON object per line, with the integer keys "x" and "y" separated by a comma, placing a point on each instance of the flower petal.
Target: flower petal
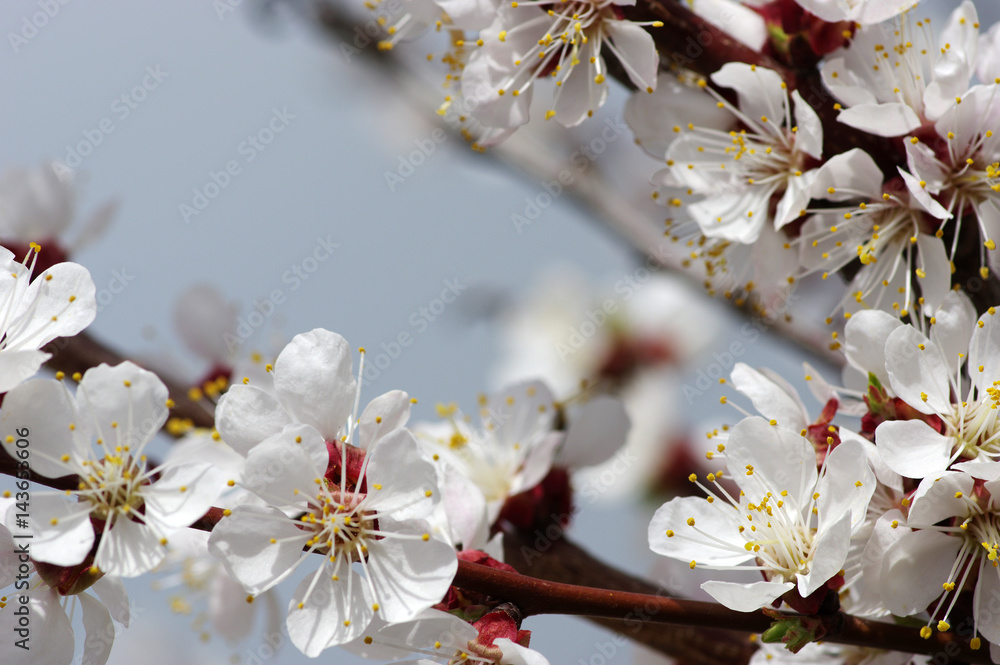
{"x": 99, "y": 629}
{"x": 129, "y": 549}
{"x": 712, "y": 536}
{"x": 333, "y": 612}
{"x": 917, "y": 372}
{"x": 125, "y": 404}
{"x": 401, "y": 482}
{"x": 915, "y": 568}
{"x": 409, "y": 574}
{"x": 746, "y": 597}
{"x": 912, "y": 448}
{"x": 282, "y": 467}
{"x": 61, "y": 527}
{"x": 313, "y": 377}
{"x": 247, "y": 415}
{"x": 383, "y": 414}
{"x": 772, "y": 399}
{"x": 242, "y": 542}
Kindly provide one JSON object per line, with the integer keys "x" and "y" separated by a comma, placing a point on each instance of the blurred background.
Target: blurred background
{"x": 248, "y": 150}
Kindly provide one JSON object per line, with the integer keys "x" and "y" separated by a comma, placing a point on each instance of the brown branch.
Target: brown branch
{"x": 534, "y": 596}
{"x": 564, "y": 561}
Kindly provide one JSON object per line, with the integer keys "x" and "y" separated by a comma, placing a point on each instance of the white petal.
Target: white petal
{"x": 985, "y": 603}
{"x": 242, "y": 542}
{"x": 231, "y": 615}
{"x": 923, "y": 197}
{"x": 759, "y": 89}
{"x": 313, "y": 376}
{"x": 912, "y": 448}
{"x": 45, "y": 409}
{"x": 919, "y": 377}
{"x": 738, "y": 217}
{"x": 772, "y": 400}
{"x": 935, "y": 285}
{"x": 914, "y": 570}
{"x": 984, "y": 352}
{"x": 848, "y": 173}
{"x": 746, "y": 597}
{"x": 49, "y": 635}
{"x": 652, "y": 117}
{"x": 515, "y": 654}
{"x": 65, "y": 542}
{"x": 809, "y": 137}
{"x": 735, "y": 19}
{"x": 839, "y": 491}
{"x": 46, "y": 311}
{"x": 281, "y": 468}
{"x": 18, "y": 366}
{"x": 520, "y": 413}
{"x": 865, "y": 335}
{"x": 112, "y": 593}
{"x": 831, "y": 546}
{"x": 935, "y": 500}
{"x": 866, "y": 597}
{"x": 580, "y": 94}
{"x": 638, "y": 51}
{"x": 319, "y": 624}
{"x": 954, "y": 323}
{"x": 892, "y": 119}
{"x": 247, "y": 415}
{"x": 714, "y": 538}
{"x": 125, "y": 404}
{"x": 99, "y": 628}
{"x": 401, "y": 482}
{"x": 182, "y": 494}
{"x": 537, "y": 463}
{"x": 8, "y": 556}
{"x": 409, "y": 575}
{"x": 129, "y": 549}
{"x": 206, "y": 323}
{"x": 782, "y": 459}
{"x": 795, "y": 199}
{"x": 391, "y": 410}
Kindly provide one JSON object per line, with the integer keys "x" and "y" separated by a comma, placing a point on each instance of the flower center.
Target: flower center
{"x": 112, "y": 484}
{"x": 975, "y": 425}
{"x": 777, "y": 534}
{"x": 339, "y": 524}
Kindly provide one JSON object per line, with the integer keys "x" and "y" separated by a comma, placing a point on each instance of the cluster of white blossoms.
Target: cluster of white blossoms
{"x": 762, "y": 199}
{"x": 901, "y": 518}
{"x": 844, "y": 138}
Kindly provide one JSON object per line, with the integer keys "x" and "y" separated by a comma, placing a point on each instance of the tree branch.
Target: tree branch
{"x": 534, "y": 596}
